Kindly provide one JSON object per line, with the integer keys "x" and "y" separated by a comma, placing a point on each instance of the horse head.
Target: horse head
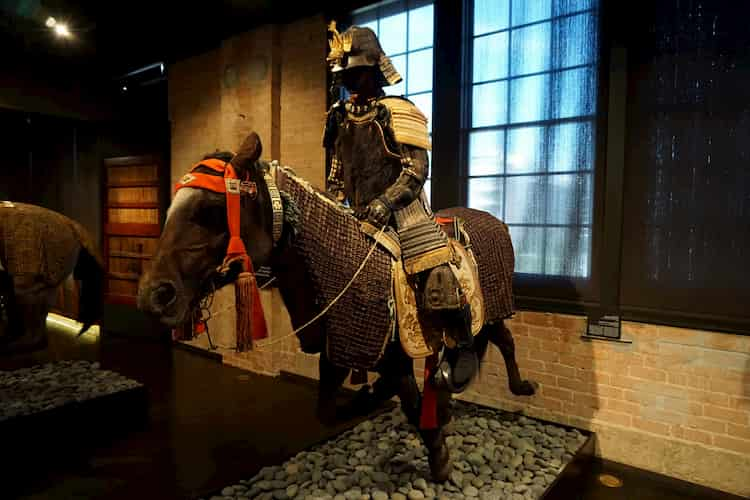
{"x": 196, "y": 235}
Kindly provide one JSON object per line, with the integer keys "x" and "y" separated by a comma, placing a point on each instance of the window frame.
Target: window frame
{"x": 534, "y": 291}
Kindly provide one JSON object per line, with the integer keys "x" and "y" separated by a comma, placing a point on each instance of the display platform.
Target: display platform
{"x": 54, "y": 412}
{"x": 496, "y": 455}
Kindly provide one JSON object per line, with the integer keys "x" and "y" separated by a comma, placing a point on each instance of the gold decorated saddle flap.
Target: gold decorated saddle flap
{"x": 419, "y": 338}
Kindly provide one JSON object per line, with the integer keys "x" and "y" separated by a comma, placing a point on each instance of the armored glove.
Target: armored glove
{"x": 379, "y": 212}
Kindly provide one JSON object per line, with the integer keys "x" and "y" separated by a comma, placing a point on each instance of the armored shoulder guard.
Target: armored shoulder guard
{"x": 334, "y": 118}
{"x": 408, "y": 123}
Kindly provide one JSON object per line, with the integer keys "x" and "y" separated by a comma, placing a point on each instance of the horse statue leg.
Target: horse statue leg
{"x": 331, "y": 379}
{"x": 500, "y": 336}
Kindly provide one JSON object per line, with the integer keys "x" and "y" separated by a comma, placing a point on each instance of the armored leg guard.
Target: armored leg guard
{"x": 442, "y": 297}
{"x": 459, "y": 364}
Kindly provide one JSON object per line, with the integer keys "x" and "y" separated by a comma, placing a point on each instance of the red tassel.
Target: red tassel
{"x": 428, "y": 417}
{"x": 251, "y": 323}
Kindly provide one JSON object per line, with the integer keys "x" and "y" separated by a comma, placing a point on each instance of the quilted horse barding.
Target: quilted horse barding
{"x": 359, "y": 326}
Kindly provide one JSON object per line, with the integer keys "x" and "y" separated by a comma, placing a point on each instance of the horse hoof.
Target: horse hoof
{"x": 440, "y": 465}
{"x": 525, "y": 388}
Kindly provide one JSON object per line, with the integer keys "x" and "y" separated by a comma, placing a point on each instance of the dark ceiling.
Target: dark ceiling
{"x": 113, "y": 37}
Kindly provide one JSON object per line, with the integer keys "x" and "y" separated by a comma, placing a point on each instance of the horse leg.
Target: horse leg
{"x": 500, "y": 336}
{"x": 411, "y": 405}
{"x": 331, "y": 379}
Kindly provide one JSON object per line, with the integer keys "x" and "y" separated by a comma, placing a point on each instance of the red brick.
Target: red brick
{"x": 648, "y": 373}
{"x": 533, "y": 364}
{"x": 550, "y": 404}
{"x": 607, "y": 391}
{"x": 562, "y": 370}
{"x": 659, "y": 415}
{"x": 694, "y": 435}
{"x": 614, "y": 417}
{"x": 675, "y": 378}
{"x": 707, "y": 424}
{"x": 730, "y": 443}
{"x": 733, "y": 416}
{"x": 546, "y": 356}
{"x": 543, "y": 378}
{"x": 680, "y": 335}
{"x": 556, "y": 393}
{"x": 587, "y": 400}
{"x": 623, "y": 407}
{"x": 727, "y": 342}
{"x": 536, "y": 318}
{"x": 576, "y": 324}
{"x": 651, "y": 426}
{"x": 739, "y": 431}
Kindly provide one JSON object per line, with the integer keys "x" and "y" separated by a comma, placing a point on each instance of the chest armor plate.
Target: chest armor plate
{"x": 369, "y": 158}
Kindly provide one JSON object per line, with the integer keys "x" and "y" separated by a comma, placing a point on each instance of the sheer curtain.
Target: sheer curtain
{"x": 687, "y": 199}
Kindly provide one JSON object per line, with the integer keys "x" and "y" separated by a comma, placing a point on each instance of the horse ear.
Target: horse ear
{"x": 248, "y": 153}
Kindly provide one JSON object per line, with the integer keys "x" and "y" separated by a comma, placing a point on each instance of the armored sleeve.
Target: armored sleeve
{"x": 409, "y": 128}
{"x": 414, "y": 172}
{"x": 334, "y": 182}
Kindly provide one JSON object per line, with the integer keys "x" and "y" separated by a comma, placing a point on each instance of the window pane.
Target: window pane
{"x": 527, "y": 247}
{"x": 399, "y": 62}
{"x": 567, "y": 6}
{"x": 569, "y": 199}
{"x": 525, "y": 150}
{"x": 420, "y": 27}
{"x": 490, "y": 15}
{"x": 531, "y": 49}
{"x": 524, "y": 201}
{"x": 428, "y": 190}
{"x": 567, "y": 252}
{"x": 486, "y": 152}
{"x": 574, "y": 93}
{"x": 491, "y": 57}
{"x": 392, "y": 34}
{"x": 487, "y": 194}
{"x": 420, "y": 71}
{"x": 424, "y": 103}
{"x": 489, "y": 104}
{"x": 529, "y": 11}
{"x": 575, "y": 40}
{"x": 529, "y": 98}
{"x": 571, "y": 147}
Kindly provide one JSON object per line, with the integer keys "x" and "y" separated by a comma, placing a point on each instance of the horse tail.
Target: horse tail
{"x": 89, "y": 269}
{"x": 91, "y": 299}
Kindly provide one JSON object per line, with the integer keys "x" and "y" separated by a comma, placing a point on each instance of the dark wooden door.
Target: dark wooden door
{"x": 134, "y": 205}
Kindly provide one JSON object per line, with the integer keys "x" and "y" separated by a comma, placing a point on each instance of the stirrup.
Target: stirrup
{"x": 443, "y": 377}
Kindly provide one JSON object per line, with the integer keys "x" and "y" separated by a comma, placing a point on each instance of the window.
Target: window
{"x": 405, "y": 30}
{"x": 530, "y": 130}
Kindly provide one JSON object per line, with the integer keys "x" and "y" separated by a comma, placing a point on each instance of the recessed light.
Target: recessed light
{"x": 50, "y": 22}
{"x": 124, "y": 88}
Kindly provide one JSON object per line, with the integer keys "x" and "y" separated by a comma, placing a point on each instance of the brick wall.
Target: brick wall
{"x": 675, "y": 401}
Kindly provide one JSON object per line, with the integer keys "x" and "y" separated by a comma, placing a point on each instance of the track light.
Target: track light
{"x": 50, "y": 22}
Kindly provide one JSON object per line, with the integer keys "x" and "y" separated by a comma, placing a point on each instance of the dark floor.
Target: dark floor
{"x": 210, "y": 425}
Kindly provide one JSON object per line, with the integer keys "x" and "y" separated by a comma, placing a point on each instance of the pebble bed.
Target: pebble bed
{"x": 495, "y": 456}
{"x": 43, "y": 387}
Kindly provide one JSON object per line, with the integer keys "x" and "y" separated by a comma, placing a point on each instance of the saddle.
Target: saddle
{"x": 419, "y": 338}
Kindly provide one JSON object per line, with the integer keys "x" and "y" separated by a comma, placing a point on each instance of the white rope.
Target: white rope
{"x": 330, "y": 304}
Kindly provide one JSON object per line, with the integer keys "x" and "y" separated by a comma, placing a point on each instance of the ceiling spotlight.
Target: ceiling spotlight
{"x": 161, "y": 67}
{"x": 62, "y": 30}
{"x": 50, "y": 22}
{"x": 124, "y": 88}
